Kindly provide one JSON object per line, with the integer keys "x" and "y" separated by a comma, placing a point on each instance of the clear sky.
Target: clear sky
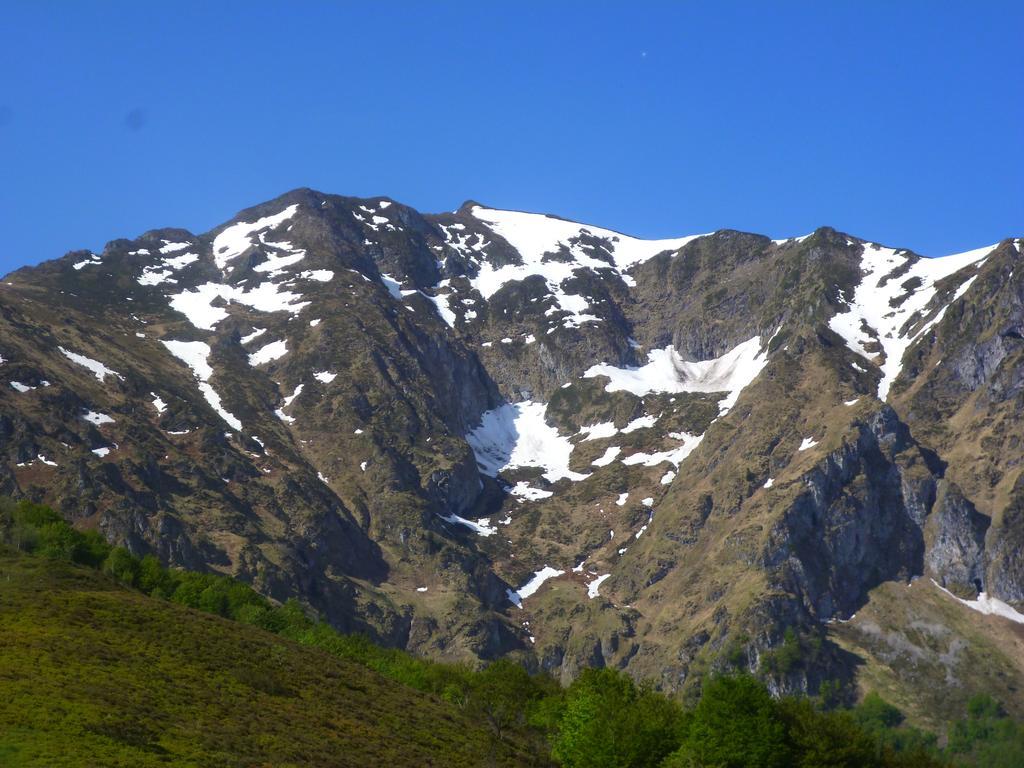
{"x": 901, "y": 122}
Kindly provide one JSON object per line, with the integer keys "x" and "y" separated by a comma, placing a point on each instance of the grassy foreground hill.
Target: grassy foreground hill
{"x": 92, "y": 673}
{"x": 109, "y": 660}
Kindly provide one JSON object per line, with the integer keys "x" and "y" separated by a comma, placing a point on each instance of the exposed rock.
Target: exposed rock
{"x": 287, "y": 399}
{"x": 955, "y": 540}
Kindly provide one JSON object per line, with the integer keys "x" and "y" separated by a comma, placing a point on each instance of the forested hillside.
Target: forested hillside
{"x": 112, "y": 660}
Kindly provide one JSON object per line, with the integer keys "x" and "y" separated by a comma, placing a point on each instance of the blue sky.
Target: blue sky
{"x": 899, "y": 122}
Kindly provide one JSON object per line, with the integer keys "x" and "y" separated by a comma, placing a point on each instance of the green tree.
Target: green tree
{"x": 93, "y": 550}
{"x": 36, "y": 515}
{"x": 122, "y": 566}
{"x": 832, "y": 739}
{"x": 59, "y": 541}
{"x": 876, "y": 714}
{"x": 981, "y": 706}
{"x": 188, "y": 587}
{"x": 609, "y": 722}
{"x": 736, "y": 724}
{"x": 154, "y": 578}
{"x": 987, "y": 736}
{"x": 502, "y": 694}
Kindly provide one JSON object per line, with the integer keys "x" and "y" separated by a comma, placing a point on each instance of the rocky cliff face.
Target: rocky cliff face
{"x": 489, "y": 432}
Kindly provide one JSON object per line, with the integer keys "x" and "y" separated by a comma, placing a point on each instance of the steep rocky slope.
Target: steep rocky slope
{"x": 490, "y": 432}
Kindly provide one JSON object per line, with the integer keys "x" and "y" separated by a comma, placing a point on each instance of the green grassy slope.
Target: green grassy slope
{"x": 928, "y": 654}
{"x": 92, "y": 673}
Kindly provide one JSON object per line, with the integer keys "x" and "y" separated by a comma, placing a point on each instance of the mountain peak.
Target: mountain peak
{"x": 686, "y": 445}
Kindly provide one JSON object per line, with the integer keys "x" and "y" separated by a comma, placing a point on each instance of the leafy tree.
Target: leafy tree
{"x": 59, "y": 541}
{"x": 153, "y": 578}
{"x": 608, "y": 722}
{"x": 36, "y": 515}
{"x": 93, "y": 550}
{"x": 832, "y": 739}
{"x": 875, "y": 713}
{"x": 502, "y": 694}
{"x": 214, "y": 599}
{"x": 830, "y": 694}
{"x": 982, "y": 706}
{"x": 122, "y": 566}
{"x": 786, "y": 657}
{"x": 26, "y": 519}
{"x": 987, "y": 736}
{"x": 188, "y": 587}
{"x": 735, "y": 724}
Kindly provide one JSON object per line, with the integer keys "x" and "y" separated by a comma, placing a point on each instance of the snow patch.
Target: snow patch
{"x": 237, "y": 239}
{"x": 269, "y": 352}
{"x": 295, "y": 393}
{"x": 254, "y": 335}
{"x": 517, "y": 596}
{"x": 674, "y": 456}
{"x": 594, "y": 587}
{"x": 319, "y": 275}
{"x": 523, "y": 490}
{"x": 441, "y": 303}
{"x": 97, "y": 418}
{"x": 990, "y": 606}
{"x": 883, "y": 310}
{"x": 516, "y": 435}
{"x": 163, "y": 270}
{"x": 195, "y": 354}
{"x": 99, "y": 370}
{"x": 481, "y": 527}
{"x": 92, "y": 260}
{"x": 641, "y": 423}
{"x": 666, "y": 371}
{"x": 534, "y": 235}
{"x": 197, "y": 305}
{"x": 609, "y": 456}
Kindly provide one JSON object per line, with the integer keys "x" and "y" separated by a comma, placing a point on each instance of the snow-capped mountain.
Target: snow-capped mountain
{"x": 490, "y": 432}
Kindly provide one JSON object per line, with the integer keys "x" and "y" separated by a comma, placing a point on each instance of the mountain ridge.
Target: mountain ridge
{"x": 296, "y": 398}
{"x": 465, "y": 208}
